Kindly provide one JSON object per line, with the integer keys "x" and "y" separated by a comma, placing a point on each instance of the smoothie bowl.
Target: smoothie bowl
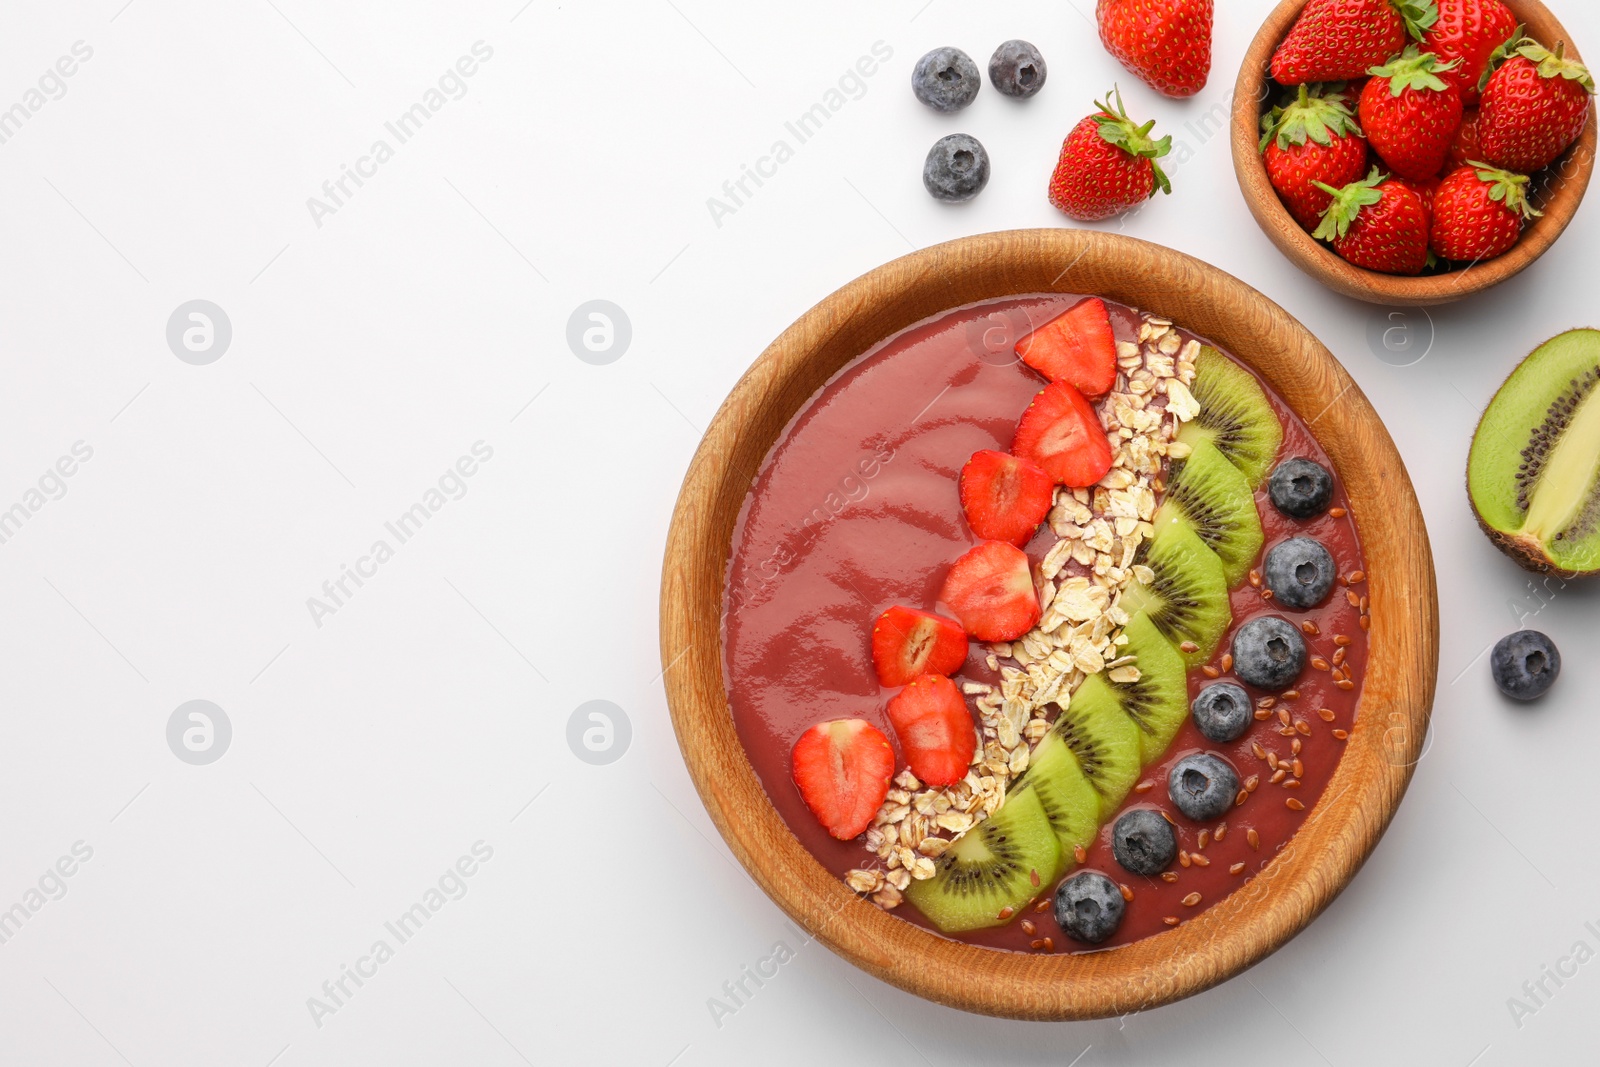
{"x": 1049, "y": 625}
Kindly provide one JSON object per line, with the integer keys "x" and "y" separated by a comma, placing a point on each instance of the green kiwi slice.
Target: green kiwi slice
{"x": 1235, "y": 416}
{"x": 1187, "y": 596}
{"x": 1066, "y": 794}
{"x": 1534, "y": 472}
{"x": 1158, "y": 703}
{"x": 1219, "y": 503}
{"x": 994, "y": 870}
{"x": 1103, "y": 740}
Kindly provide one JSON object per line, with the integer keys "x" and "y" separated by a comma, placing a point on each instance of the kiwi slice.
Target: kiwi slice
{"x": 1187, "y": 595}
{"x": 1158, "y": 703}
{"x": 1219, "y": 503}
{"x": 1104, "y": 741}
{"x": 1069, "y": 799}
{"x": 1235, "y": 416}
{"x": 1534, "y": 472}
{"x": 994, "y": 870}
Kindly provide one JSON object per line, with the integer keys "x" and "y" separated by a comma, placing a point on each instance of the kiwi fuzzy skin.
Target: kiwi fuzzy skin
{"x": 1526, "y": 552}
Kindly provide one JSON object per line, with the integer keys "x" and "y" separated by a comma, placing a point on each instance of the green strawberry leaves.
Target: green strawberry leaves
{"x": 1419, "y": 15}
{"x": 1318, "y": 114}
{"x": 1414, "y": 69}
{"x": 1118, "y": 129}
{"x": 1507, "y": 188}
{"x": 1549, "y": 64}
{"x": 1348, "y": 204}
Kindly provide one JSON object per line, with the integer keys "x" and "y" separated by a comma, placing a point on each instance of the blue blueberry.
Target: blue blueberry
{"x": 1525, "y": 665}
{"x": 1300, "y": 572}
{"x": 1222, "y": 712}
{"x": 1089, "y": 907}
{"x": 946, "y": 79}
{"x": 1203, "y": 786}
{"x": 1017, "y": 69}
{"x": 1143, "y": 842}
{"x": 957, "y": 168}
{"x": 1268, "y": 653}
{"x": 1300, "y": 488}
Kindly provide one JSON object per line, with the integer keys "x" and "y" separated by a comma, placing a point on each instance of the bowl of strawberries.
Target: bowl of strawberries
{"x": 1413, "y": 152}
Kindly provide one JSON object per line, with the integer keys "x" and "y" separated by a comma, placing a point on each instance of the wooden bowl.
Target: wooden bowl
{"x": 1558, "y": 190}
{"x": 1392, "y": 716}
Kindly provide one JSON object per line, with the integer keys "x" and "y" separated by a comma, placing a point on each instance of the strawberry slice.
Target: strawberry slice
{"x": 907, "y": 643}
{"x": 1076, "y": 347}
{"x": 1005, "y": 498}
{"x": 1061, "y": 433}
{"x": 842, "y": 769}
{"x": 990, "y": 589}
{"x": 933, "y": 724}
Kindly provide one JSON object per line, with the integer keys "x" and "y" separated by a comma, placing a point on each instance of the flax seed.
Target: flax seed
{"x": 1251, "y": 783}
{"x": 1169, "y": 876}
{"x": 1191, "y": 900}
{"x": 1033, "y": 876}
{"x": 1310, "y": 628}
{"x": 1340, "y": 735}
{"x": 1289, "y": 694}
{"x": 1293, "y": 783}
{"x": 1278, "y": 775}
{"x": 1286, "y": 731}
{"x": 1183, "y": 858}
{"x": 1366, "y": 622}
{"x": 1039, "y": 944}
{"x": 1266, "y": 594}
{"x": 1326, "y": 714}
{"x": 1049, "y": 944}
{"x": 1272, "y": 760}
{"x": 1343, "y": 580}
{"x": 1345, "y": 684}
{"x": 1263, "y": 713}
{"x": 1337, "y": 513}
{"x": 1237, "y": 868}
{"x": 1298, "y": 768}
{"x": 1028, "y": 927}
{"x": 1255, "y": 578}
{"x": 1283, "y": 716}
{"x": 1222, "y": 831}
{"x": 1341, "y": 640}
{"x": 1338, "y": 657}
{"x": 1365, "y": 605}
{"x": 1204, "y": 839}
{"x": 1144, "y": 787}
{"x": 1006, "y": 912}
{"x": 1239, "y": 800}
{"x": 1189, "y": 646}
{"x": 1227, "y": 662}
{"x": 1167, "y": 817}
{"x": 1254, "y": 838}
{"x": 1261, "y": 753}
{"x": 1210, "y": 671}
{"x": 1294, "y": 804}
{"x": 1127, "y": 894}
{"x": 1079, "y": 853}
{"x": 1318, "y": 663}
{"x": 1295, "y": 748}
{"x": 1170, "y": 920}
{"x": 1043, "y": 905}
{"x": 1200, "y": 861}
{"x": 1267, "y": 702}
{"x": 1350, "y": 595}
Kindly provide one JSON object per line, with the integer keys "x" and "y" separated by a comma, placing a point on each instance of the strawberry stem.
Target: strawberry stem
{"x": 1348, "y": 204}
{"x": 1419, "y": 15}
{"x": 1318, "y": 116}
{"x": 1118, "y": 129}
{"x": 1507, "y": 188}
{"x": 1414, "y": 69}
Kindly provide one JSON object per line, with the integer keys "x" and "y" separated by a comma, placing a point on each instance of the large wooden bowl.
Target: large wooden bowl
{"x": 1397, "y": 694}
{"x": 1558, "y": 190}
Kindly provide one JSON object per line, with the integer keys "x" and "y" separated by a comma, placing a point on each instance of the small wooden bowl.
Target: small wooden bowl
{"x": 1396, "y": 698}
{"x": 1558, "y": 190}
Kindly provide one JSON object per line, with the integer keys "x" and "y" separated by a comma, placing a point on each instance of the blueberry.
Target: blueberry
{"x": 1525, "y": 665}
{"x": 946, "y": 79}
{"x": 1089, "y": 907}
{"x": 1268, "y": 653}
{"x": 1203, "y": 786}
{"x": 1143, "y": 842}
{"x": 1300, "y": 572}
{"x": 1300, "y": 488}
{"x": 957, "y": 168}
{"x": 1017, "y": 69}
{"x": 1222, "y": 712}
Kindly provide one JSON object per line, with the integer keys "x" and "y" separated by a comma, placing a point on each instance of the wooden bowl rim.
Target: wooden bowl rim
{"x": 1569, "y": 175}
{"x": 1393, "y": 712}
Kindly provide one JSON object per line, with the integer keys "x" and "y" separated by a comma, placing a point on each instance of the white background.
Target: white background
{"x": 372, "y": 351}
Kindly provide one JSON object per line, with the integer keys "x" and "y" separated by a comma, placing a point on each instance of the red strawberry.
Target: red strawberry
{"x": 1061, "y": 432}
{"x": 1107, "y": 166}
{"x": 1466, "y": 146}
{"x": 1378, "y": 224}
{"x": 842, "y": 769}
{"x": 1338, "y": 40}
{"x": 1469, "y": 31}
{"x": 1078, "y": 347}
{"x": 933, "y": 724}
{"x": 1479, "y": 212}
{"x": 990, "y": 589}
{"x": 1425, "y": 192}
{"x": 1313, "y": 138}
{"x": 1534, "y": 106}
{"x": 907, "y": 643}
{"x": 1167, "y": 43}
{"x": 1005, "y": 498}
{"x": 1411, "y": 114}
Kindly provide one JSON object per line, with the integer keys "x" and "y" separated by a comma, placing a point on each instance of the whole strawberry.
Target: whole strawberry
{"x": 1467, "y": 146}
{"x": 1534, "y": 106}
{"x": 1108, "y": 165}
{"x": 1411, "y": 114}
{"x": 1167, "y": 43}
{"x": 1340, "y": 40}
{"x": 1313, "y": 138}
{"x": 1478, "y": 213}
{"x": 1426, "y": 192}
{"x": 1469, "y": 31}
{"x": 1378, "y": 224}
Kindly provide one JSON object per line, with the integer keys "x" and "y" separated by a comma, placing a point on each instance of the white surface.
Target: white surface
{"x": 371, "y": 352}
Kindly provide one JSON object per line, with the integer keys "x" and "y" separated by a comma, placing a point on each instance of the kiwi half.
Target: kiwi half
{"x": 1534, "y": 472}
{"x": 1219, "y": 503}
{"x": 1235, "y": 416}
{"x": 993, "y": 871}
{"x": 1187, "y": 595}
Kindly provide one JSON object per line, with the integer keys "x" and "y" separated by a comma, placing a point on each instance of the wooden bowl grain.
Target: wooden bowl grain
{"x": 1558, "y": 190}
{"x": 1396, "y": 699}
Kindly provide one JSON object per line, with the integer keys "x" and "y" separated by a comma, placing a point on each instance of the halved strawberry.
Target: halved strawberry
{"x": 842, "y": 769}
{"x": 907, "y": 643}
{"x": 933, "y": 724}
{"x": 1005, "y": 498}
{"x": 1077, "y": 347}
{"x": 1061, "y": 432}
{"x": 990, "y": 589}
